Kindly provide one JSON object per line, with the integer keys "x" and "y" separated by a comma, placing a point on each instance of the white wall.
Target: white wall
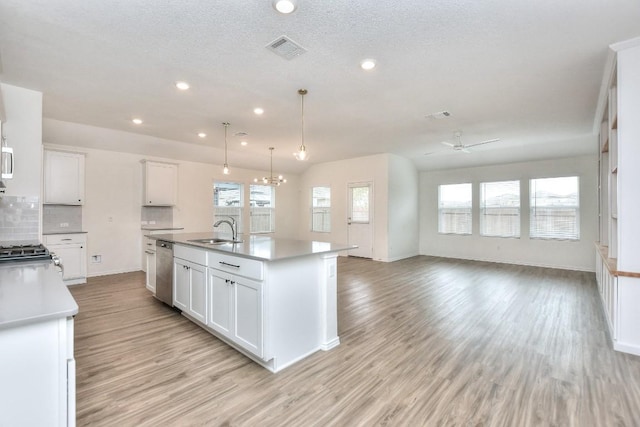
{"x": 576, "y": 255}
{"x": 403, "y": 190}
{"x": 113, "y": 203}
{"x": 338, "y": 175}
{"x": 23, "y": 129}
{"x": 395, "y": 200}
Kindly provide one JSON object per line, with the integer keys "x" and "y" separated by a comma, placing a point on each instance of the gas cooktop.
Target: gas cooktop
{"x": 23, "y": 252}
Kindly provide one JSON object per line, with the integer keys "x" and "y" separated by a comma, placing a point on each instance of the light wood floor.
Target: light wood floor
{"x": 424, "y": 341}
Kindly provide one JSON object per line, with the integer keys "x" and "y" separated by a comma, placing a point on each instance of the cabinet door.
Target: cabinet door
{"x": 151, "y": 271}
{"x": 180, "y": 284}
{"x": 220, "y": 293}
{"x": 73, "y": 260}
{"x": 247, "y": 313}
{"x": 161, "y": 184}
{"x": 64, "y": 178}
{"x": 198, "y": 292}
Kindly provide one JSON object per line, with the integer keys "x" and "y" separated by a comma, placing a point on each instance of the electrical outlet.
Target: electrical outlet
{"x": 64, "y": 224}
{"x": 96, "y": 259}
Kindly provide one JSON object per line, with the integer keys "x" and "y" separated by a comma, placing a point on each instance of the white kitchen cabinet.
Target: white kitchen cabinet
{"x": 150, "y": 262}
{"x": 160, "y": 183}
{"x": 63, "y": 178}
{"x": 72, "y": 251}
{"x": 38, "y": 363}
{"x": 235, "y": 310}
{"x": 190, "y": 288}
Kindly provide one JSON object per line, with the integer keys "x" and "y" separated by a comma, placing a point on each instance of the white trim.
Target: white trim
{"x": 526, "y": 264}
{"x": 627, "y": 348}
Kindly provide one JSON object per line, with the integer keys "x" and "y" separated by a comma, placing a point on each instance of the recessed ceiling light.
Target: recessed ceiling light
{"x": 202, "y": 135}
{"x": 368, "y": 64}
{"x": 258, "y": 111}
{"x": 244, "y": 143}
{"x": 137, "y": 121}
{"x": 284, "y": 6}
{"x": 182, "y": 85}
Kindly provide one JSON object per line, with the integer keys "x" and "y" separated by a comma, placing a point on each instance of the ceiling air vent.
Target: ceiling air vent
{"x": 439, "y": 115}
{"x": 285, "y": 47}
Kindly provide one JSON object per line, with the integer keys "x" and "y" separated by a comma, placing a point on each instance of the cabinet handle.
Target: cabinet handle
{"x": 229, "y": 265}
{"x": 81, "y": 247}
{"x": 66, "y": 239}
{"x": 149, "y": 252}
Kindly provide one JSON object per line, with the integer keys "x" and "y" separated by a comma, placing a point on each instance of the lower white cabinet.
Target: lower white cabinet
{"x": 190, "y": 288}
{"x": 37, "y": 374}
{"x": 235, "y": 310}
{"x": 72, "y": 251}
{"x": 151, "y": 270}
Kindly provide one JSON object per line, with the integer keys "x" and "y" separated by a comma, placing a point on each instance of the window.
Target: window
{"x": 500, "y": 209}
{"x": 454, "y": 209}
{"x": 228, "y": 201}
{"x": 262, "y": 208}
{"x": 321, "y": 209}
{"x": 555, "y": 208}
{"x": 360, "y": 211}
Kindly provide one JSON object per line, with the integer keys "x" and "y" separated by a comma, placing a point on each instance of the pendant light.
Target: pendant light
{"x": 271, "y": 180}
{"x": 225, "y": 169}
{"x": 302, "y": 154}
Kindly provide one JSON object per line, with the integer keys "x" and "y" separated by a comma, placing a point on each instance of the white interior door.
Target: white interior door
{"x": 360, "y": 220}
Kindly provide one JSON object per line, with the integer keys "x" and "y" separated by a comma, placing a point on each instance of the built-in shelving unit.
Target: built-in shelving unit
{"x": 618, "y": 263}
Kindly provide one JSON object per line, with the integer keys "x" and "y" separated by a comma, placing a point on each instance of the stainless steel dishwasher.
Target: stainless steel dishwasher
{"x": 164, "y": 271}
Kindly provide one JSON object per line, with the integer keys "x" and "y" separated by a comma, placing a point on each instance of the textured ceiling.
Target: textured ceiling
{"x": 527, "y": 72}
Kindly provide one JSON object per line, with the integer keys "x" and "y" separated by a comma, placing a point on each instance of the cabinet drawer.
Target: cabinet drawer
{"x": 65, "y": 239}
{"x": 250, "y": 268}
{"x": 197, "y": 256}
{"x": 149, "y": 244}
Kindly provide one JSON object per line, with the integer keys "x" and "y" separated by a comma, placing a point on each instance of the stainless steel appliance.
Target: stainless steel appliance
{"x": 164, "y": 271}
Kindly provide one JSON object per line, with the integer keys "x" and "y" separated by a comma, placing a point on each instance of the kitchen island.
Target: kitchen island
{"x": 275, "y": 300}
{"x": 36, "y": 338}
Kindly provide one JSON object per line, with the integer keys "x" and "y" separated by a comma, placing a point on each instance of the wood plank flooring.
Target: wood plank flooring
{"x": 424, "y": 342}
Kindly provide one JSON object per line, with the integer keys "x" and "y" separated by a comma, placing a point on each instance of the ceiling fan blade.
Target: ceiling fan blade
{"x": 448, "y": 144}
{"x": 482, "y": 143}
{"x": 464, "y": 150}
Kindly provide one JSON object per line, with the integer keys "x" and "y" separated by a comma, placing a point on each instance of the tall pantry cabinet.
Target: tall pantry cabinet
{"x": 618, "y": 251}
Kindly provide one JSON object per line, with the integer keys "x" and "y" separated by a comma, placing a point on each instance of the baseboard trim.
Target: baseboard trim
{"x": 528, "y": 264}
{"x": 107, "y": 273}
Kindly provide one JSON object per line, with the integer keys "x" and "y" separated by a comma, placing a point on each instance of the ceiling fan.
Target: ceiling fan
{"x": 459, "y": 146}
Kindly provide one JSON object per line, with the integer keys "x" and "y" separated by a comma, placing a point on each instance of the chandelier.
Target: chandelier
{"x": 271, "y": 180}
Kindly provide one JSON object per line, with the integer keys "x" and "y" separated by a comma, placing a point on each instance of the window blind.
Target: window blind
{"x": 454, "y": 208}
{"x": 555, "y": 208}
{"x": 500, "y": 209}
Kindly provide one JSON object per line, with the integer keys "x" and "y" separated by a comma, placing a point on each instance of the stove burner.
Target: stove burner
{"x": 23, "y": 252}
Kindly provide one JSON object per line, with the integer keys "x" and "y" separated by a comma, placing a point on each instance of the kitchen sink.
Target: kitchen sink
{"x": 215, "y": 241}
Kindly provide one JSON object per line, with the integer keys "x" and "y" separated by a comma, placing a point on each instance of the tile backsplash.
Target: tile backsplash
{"x": 157, "y": 216}
{"x": 19, "y": 218}
{"x": 61, "y": 219}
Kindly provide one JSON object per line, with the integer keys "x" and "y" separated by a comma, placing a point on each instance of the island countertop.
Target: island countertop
{"x": 258, "y": 247}
{"x": 32, "y": 292}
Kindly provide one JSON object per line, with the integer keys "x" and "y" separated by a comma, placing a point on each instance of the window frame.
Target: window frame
{"x": 325, "y": 211}
{"x": 483, "y": 210}
{"x": 533, "y": 207}
{"x": 253, "y": 210}
{"x": 239, "y": 217}
{"x": 469, "y": 208}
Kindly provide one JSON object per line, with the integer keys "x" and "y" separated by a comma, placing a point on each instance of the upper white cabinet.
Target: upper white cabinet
{"x": 63, "y": 178}
{"x": 160, "y": 182}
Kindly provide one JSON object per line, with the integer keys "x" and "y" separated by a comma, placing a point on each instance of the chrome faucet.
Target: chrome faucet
{"x": 232, "y": 224}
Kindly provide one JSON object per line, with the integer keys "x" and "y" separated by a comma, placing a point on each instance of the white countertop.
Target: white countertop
{"x": 258, "y": 247}
{"x": 32, "y": 291}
